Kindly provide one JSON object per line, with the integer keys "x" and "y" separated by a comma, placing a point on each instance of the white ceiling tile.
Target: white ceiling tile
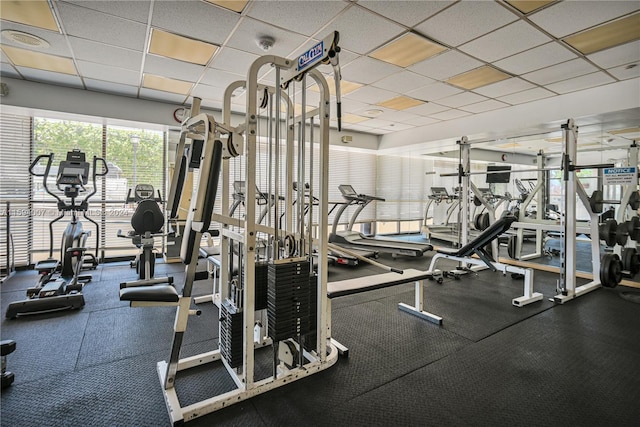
{"x": 58, "y": 44}
{"x": 450, "y": 114}
{"x": 288, "y": 14}
{"x": 7, "y": 70}
{"x": 509, "y": 40}
{"x": 566, "y": 70}
{"x": 172, "y": 68}
{"x": 110, "y": 87}
{"x": 98, "y": 26}
{"x": 465, "y": 21}
{"x": 396, "y": 127}
{"x": 464, "y": 98}
{"x": 624, "y": 73}
{"x": 536, "y": 58}
{"x": 195, "y": 19}
{"x": 376, "y": 123}
{"x": 248, "y": 32}
{"x": 208, "y": 92}
{"x": 107, "y": 73}
{"x": 362, "y": 31}
{"x": 58, "y": 79}
{"x": 526, "y": 96}
{"x": 91, "y": 51}
{"x": 481, "y": 107}
{"x": 368, "y": 70}
{"x": 220, "y": 78}
{"x": 504, "y": 87}
{"x": 159, "y": 95}
{"x": 137, "y": 10}
{"x": 434, "y": 91}
{"x": 407, "y": 13}
{"x": 370, "y": 94}
{"x": 422, "y": 121}
{"x": 619, "y": 55}
{"x": 398, "y": 116}
{"x": 234, "y": 60}
{"x": 580, "y": 83}
{"x": 427, "y": 109}
{"x": 568, "y": 17}
{"x": 403, "y": 82}
{"x": 445, "y": 65}
{"x": 356, "y": 127}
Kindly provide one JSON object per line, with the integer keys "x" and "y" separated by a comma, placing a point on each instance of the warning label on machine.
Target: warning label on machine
{"x": 620, "y": 176}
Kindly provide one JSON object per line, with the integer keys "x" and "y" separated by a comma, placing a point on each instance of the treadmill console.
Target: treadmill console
{"x": 348, "y": 192}
{"x": 439, "y": 193}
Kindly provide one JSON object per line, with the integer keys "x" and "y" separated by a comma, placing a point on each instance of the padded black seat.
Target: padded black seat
{"x": 147, "y": 218}
{"x": 155, "y": 293}
{"x": 476, "y": 246}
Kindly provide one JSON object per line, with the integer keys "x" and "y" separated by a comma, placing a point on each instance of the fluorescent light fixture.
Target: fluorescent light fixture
{"x": 407, "y": 50}
{"x": 527, "y": 6}
{"x": 605, "y": 36}
{"x": 35, "y": 13}
{"x": 477, "y": 78}
{"x": 624, "y": 131}
{"x": 353, "y": 118}
{"x": 345, "y": 86}
{"x": 234, "y": 5}
{"x": 40, "y": 61}
{"x": 400, "y": 103}
{"x": 166, "y": 84}
{"x": 180, "y": 48}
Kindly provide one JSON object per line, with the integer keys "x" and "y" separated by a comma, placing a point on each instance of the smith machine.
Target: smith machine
{"x": 277, "y": 301}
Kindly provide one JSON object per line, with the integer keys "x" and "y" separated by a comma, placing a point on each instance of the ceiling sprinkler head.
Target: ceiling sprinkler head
{"x": 265, "y": 43}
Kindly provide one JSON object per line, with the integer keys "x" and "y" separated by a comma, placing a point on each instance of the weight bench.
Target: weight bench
{"x": 369, "y": 283}
{"x": 477, "y": 247}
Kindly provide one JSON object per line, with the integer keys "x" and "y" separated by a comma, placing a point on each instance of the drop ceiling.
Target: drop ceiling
{"x": 482, "y": 55}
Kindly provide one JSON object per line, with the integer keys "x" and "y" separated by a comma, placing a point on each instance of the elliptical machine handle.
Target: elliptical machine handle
{"x": 37, "y": 160}
{"x": 104, "y": 166}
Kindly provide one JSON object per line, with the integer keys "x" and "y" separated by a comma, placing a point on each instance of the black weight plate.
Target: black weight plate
{"x": 622, "y": 234}
{"x": 606, "y": 278}
{"x": 484, "y": 221}
{"x": 634, "y": 228}
{"x": 476, "y": 221}
{"x": 596, "y": 201}
{"x": 608, "y": 231}
{"x": 634, "y": 201}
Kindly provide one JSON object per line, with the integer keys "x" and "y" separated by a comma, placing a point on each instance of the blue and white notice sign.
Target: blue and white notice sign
{"x": 311, "y": 56}
{"x": 620, "y": 176}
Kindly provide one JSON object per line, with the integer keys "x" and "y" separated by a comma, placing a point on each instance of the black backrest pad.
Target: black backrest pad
{"x": 488, "y": 235}
{"x": 191, "y": 239}
{"x": 182, "y": 173}
{"x": 147, "y": 217}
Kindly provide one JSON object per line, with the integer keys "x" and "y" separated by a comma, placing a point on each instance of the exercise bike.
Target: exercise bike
{"x": 60, "y": 284}
{"x": 147, "y": 222}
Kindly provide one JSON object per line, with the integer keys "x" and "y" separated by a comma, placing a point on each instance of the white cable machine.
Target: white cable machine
{"x": 304, "y": 324}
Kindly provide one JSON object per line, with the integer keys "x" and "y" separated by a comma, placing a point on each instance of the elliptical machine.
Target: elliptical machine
{"x": 60, "y": 284}
{"x": 147, "y": 222}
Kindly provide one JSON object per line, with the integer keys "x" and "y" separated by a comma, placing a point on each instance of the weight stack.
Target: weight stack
{"x": 311, "y": 337}
{"x": 231, "y": 334}
{"x": 261, "y": 284}
{"x": 288, "y": 300}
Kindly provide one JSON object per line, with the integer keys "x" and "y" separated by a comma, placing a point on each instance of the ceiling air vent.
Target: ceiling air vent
{"x": 25, "y": 39}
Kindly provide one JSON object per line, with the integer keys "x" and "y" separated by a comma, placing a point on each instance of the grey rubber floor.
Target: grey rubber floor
{"x": 490, "y": 363}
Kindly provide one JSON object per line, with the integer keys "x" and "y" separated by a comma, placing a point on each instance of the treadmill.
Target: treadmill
{"x": 353, "y": 239}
